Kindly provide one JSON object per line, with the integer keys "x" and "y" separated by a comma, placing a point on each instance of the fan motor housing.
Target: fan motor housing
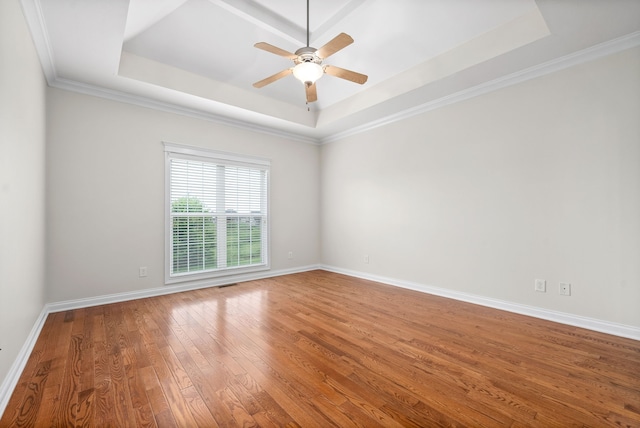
{"x": 307, "y": 54}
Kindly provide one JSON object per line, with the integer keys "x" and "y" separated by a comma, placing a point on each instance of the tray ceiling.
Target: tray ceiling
{"x": 197, "y": 56}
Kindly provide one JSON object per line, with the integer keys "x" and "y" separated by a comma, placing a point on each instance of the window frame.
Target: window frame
{"x": 179, "y": 151}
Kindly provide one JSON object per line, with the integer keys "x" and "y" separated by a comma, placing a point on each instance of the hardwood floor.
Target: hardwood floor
{"x": 321, "y": 349}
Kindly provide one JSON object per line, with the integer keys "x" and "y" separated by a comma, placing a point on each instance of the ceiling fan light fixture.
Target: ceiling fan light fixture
{"x": 308, "y": 72}
{"x": 308, "y": 63}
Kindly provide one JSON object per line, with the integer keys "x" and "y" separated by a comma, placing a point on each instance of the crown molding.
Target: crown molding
{"x": 589, "y": 54}
{"x": 35, "y": 21}
{"x": 32, "y": 11}
{"x": 147, "y": 102}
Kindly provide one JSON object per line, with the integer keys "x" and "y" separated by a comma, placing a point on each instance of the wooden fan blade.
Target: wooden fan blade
{"x": 271, "y": 79}
{"x": 275, "y": 50}
{"x": 312, "y": 93}
{"x": 346, "y": 74}
{"x": 339, "y": 42}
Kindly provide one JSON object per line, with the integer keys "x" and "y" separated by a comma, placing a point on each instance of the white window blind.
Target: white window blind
{"x": 217, "y": 214}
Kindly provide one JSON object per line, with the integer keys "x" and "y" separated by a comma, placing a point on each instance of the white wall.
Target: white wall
{"x": 537, "y": 180}
{"x": 105, "y": 185}
{"x": 22, "y": 195}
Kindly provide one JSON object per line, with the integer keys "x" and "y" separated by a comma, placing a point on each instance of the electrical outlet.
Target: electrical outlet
{"x": 142, "y": 271}
{"x": 290, "y": 256}
{"x": 565, "y": 289}
{"x": 541, "y": 285}
{"x": 366, "y": 259}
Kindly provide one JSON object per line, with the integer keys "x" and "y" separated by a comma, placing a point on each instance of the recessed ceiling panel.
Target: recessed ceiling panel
{"x": 390, "y": 37}
{"x": 295, "y": 11}
{"x": 198, "y": 56}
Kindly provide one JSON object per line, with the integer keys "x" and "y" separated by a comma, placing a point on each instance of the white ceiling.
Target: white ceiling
{"x": 197, "y": 57}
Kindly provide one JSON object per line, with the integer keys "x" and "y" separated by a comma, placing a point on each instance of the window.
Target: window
{"x": 216, "y": 210}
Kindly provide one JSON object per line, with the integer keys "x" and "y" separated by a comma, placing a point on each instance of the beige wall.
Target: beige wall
{"x": 105, "y": 187}
{"x": 22, "y": 189}
{"x": 537, "y": 180}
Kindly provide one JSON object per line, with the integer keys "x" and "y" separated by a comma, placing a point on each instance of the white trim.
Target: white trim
{"x": 621, "y": 330}
{"x": 241, "y": 159}
{"x": 147, "y": 102}
{"x": 592, "y": 53}
{"x": 589, "y": 54}
{"x": 15, "y": 371}
{"x": 35, "y": 21}
{"x": 32, "y": 11}
{"x": 170, "y": 289}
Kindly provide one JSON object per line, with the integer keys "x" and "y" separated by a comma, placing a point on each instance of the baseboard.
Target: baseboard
{"x": 11, "y": 380}
{"x": 170, "y": 289}
{"x": 601, "y": 326}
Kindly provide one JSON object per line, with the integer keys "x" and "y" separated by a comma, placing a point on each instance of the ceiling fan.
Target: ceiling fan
{"x": 308, "y": 66}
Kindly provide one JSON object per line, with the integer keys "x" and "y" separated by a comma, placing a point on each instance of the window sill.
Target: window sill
{"x": 227, "y": 273}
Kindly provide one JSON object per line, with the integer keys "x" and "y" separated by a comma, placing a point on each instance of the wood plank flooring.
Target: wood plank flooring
{"x": 319, "y": 349}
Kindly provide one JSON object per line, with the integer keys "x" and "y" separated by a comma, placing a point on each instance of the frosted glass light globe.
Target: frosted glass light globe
{"x": 308, "y": 72}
